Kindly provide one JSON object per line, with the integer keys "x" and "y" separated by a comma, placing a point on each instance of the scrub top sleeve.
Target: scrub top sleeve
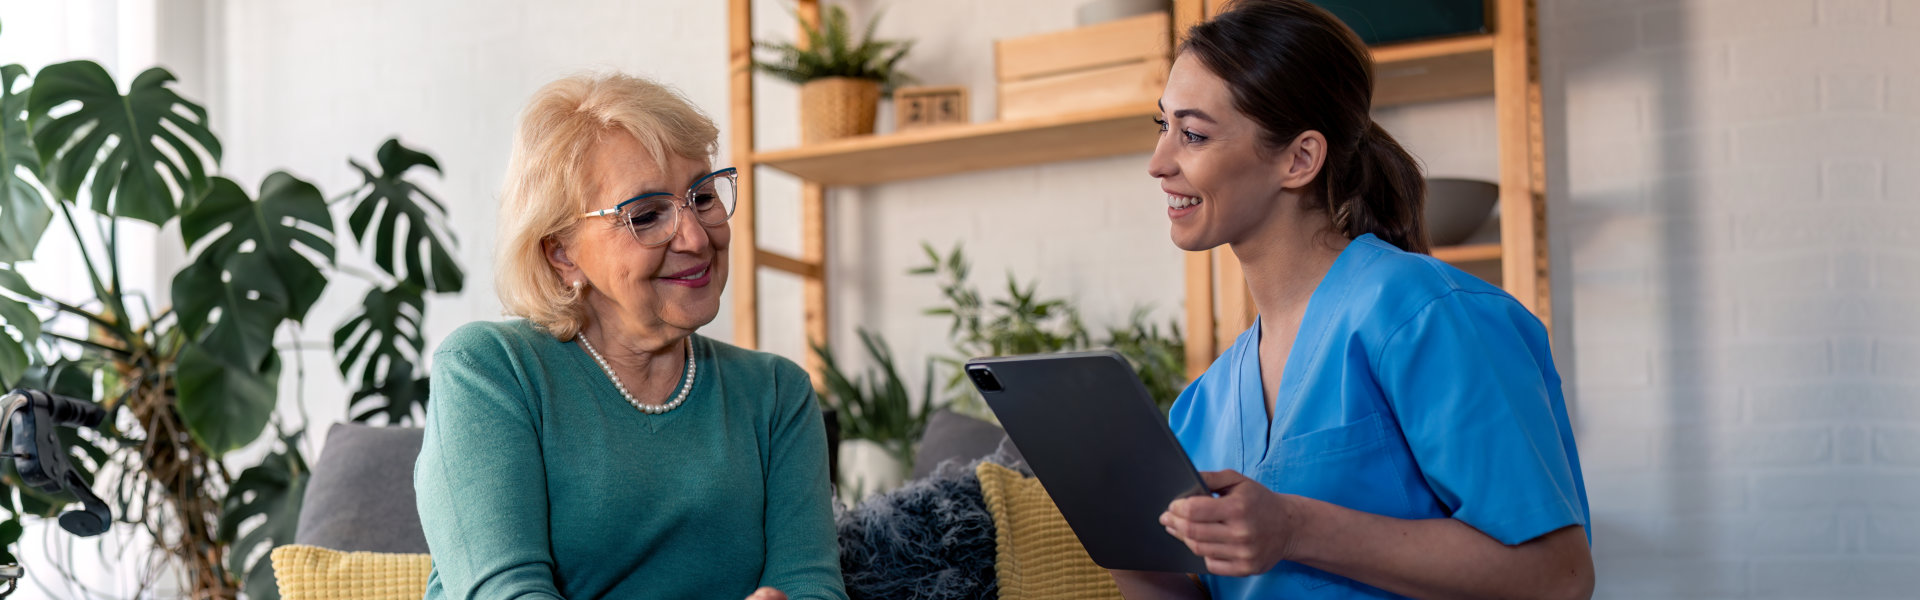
{"x": 1471, "y": 396}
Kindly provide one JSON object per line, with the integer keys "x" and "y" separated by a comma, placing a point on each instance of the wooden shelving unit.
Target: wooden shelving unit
{"x": 1502, "y": 64}
{"x": 965, "y": 148}
{"x": 1468, "y": 254}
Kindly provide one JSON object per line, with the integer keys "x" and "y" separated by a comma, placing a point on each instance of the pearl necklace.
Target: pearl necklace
{"x": 678, "y": 399}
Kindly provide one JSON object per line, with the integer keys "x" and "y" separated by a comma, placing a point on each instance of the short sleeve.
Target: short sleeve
{"x": 1471, "y": 381}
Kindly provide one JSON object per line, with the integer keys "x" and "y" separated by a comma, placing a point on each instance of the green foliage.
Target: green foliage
{"x": 199, "y": 377}
{"x": 257, "y": 274}
{"x": 830, "y": 52}
{"x": 273, "y": 489}
{"x": 121, "y": 142}
{"x": 23, "y": 215}
{"x": 1024, "y": 323}
{"x": 378, "y": 349}
{"x": 875, "y": 405}
{"x": 389, "y": 198}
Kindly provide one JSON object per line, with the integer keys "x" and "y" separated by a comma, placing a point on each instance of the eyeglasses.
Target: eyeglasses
{"x": 654, "y": 217}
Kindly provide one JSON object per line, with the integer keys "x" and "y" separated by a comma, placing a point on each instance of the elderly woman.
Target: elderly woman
{"x": 597, "y": 447}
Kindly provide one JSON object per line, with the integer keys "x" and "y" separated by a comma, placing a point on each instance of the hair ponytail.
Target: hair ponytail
{"x": 1293, "y": 67}
{"x": 1381, "y": 191}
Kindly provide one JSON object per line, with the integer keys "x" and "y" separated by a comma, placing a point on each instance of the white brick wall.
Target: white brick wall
{"x": 1733, "y": 218}
{"x": 1735, "y": 215}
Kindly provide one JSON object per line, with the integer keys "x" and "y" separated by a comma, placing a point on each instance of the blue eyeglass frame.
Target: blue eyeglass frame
{"x": 730, "y": 172}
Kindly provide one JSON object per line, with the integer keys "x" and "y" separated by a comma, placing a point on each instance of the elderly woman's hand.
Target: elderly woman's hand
{"x": 767, "y": 593}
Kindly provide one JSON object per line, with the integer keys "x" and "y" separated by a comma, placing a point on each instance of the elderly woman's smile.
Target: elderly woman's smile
{"x": 697, "y": 277}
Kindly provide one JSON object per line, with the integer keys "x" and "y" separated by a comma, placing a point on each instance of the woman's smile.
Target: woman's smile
{"x": 697, "y": 277}
{"x": 1180, "y": 205}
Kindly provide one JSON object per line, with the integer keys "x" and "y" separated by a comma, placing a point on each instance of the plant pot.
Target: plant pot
{"x": 837, "y": 107}
{"x": 868, "y": 469}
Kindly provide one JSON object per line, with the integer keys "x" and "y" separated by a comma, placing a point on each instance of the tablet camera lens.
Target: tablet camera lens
{"x": 984, "y": 379}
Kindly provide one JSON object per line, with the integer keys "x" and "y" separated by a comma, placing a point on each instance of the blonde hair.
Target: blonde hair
{"x": 548, "y": 183}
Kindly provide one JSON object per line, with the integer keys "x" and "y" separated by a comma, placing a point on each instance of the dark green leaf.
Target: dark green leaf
{"x": 380, "y": 347}
{"x": 13, "y": 282}
{"x": 272, "y": 489}
{"x": 251, "y": 303}
{"x": 64, "y": 377}
{"x": 289, "y": 225}
{"x": 24, "y": 214}
{"x": 395, "y": 399}
{"x": 145, "y": 154}
{"x": 225, "y": 404}
{"x": 10, "y": 531}
{"x": 829, "y": 50}
{"x": 390, "y": 199}
{"x": 16, "y": 355}
{"x": 13, "y": 361}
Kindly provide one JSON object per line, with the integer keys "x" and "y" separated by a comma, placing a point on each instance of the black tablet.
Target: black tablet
{"x": 1090, "y": 432}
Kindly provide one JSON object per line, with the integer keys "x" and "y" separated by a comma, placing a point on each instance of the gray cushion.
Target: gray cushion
{"x": 954, "y": 436}
{"x": 360, "y": 497}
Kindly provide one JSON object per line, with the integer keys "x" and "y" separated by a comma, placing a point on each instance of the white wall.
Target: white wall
{"x": 308, "y": 84}
{"x": 1733, "y": 232}
{"x": 1732, "y": 210}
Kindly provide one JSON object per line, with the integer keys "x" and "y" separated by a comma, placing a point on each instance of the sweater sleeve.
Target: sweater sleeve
{"x": 803, "y": 556}
{"x": 481, "y": 482}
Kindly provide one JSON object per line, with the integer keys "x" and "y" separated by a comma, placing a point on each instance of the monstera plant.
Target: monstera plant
{"x": 189, "y": 378}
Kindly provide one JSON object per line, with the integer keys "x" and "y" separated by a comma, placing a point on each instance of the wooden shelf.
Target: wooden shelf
{"x": 1471, "y": 253}
{"x": 1413, "y": 72}
{"x": 1440, "y": 69}
{"x": 973, "y": 147}
{"x": 1503, "y": 64}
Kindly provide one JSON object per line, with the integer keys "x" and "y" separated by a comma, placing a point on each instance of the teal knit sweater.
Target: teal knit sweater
{"x": 538, "y": 480}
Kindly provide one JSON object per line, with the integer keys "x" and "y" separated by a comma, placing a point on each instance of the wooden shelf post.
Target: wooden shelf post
{"x": 746, "y": 260}
{"x": 1523, "y": 211}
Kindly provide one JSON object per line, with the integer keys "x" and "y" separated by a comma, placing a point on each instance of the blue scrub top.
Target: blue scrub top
{"x": 1413, "y": 390}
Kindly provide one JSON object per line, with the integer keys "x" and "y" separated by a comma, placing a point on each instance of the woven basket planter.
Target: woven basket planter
{"x": 837, "y": 107}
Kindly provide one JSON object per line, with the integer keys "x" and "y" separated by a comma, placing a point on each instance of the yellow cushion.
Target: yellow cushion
{"x": 314, "y": 573}
{"x": 1039, "y": 557}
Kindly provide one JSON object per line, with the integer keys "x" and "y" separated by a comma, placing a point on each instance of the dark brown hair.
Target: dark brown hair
{"x": 1293, "y": 67}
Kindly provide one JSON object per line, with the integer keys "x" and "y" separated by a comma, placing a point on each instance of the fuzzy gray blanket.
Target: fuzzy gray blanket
{"x": 932, "y": 539}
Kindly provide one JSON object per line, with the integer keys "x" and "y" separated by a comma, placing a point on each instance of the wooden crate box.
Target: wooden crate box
{"x": 1116, "y": 63}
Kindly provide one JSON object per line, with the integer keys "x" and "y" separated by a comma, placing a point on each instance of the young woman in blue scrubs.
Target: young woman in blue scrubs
{"x": 1389, "y": 426}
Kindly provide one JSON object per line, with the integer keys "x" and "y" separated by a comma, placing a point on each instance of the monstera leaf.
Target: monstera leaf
{"x": 24, "y": 215}
{"x": 224, "y": 405}
{"x": 16, "y": 355}
{"x": 10, "y": 531}
{"x": 389, "y": 199}
{"x": 382, "y": 345}
{"x": 291, "y": 216}
{"x": 274, "y": 488}
{"x": 130, "y": 145}
{"x": 257, "y": 273}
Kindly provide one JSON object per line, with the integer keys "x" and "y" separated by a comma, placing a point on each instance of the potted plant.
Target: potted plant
{"x": 840, "y": 82}
{"x": 187, "y": 379}
{"x": 879, "y": 420}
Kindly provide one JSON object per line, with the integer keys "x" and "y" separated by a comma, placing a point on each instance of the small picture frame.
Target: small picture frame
{"x": 929, "y": 106}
